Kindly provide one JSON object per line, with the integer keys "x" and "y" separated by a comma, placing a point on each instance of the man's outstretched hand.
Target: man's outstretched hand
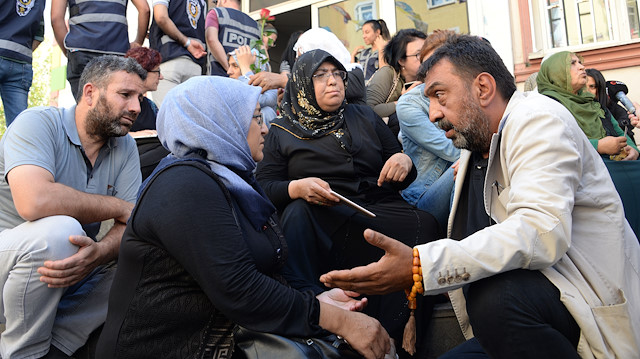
{"x": 391, "y": 273}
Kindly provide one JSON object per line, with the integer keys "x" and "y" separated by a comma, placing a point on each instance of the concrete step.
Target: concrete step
{"x": 444, "y": 331}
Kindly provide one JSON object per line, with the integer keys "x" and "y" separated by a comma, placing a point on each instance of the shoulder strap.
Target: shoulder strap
{"x": 396, "y": 79}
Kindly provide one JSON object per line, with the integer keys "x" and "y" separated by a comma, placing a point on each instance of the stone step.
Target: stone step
{"x": 444, "y": 331}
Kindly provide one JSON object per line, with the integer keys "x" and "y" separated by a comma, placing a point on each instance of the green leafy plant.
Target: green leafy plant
{"x": 259, "y": 45}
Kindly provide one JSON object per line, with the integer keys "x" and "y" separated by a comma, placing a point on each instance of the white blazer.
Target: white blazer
{"x": 557, "y": 211}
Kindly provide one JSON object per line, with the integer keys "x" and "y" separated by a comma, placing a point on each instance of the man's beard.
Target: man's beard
{"x": 101, "y": 122}
{"x": 475, "y": 135}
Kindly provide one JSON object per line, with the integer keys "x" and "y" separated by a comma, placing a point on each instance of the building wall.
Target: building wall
{"x": 616, "y": 59}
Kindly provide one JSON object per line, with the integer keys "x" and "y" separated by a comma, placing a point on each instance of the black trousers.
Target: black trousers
{"x": 77, "y": 61}
{"x": 517, "y": 314}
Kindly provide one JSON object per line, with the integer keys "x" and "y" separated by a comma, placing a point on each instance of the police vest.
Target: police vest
{"x": 189, "y": 17}
{"x": 368, "y": 59}
{"x": 235, "y": 29}
{"x": 20, "y": 20}
{"x": 98, "y": 26}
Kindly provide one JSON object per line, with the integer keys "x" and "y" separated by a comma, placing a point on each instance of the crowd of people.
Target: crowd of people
{"x": 342, "y": 195}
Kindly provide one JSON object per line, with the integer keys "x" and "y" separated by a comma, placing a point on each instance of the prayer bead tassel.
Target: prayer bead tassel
{"x": 409, "y": 336}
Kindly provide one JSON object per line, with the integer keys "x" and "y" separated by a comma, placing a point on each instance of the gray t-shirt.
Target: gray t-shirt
{"x": 47, "y": 137}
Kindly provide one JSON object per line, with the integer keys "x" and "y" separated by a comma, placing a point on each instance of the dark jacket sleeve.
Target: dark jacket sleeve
{"x": 356, "y": 91}
{"x": 196, "y": 226}
{"x": 272, "y": 173}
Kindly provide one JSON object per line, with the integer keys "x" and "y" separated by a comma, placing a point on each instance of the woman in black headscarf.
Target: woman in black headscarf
{"x": 321, "y": 144}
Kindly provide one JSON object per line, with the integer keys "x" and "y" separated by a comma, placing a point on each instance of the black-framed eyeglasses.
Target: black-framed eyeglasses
{"x": 156, "y": 71}
{"x": 416, "y": 55}
{"x": 338, "y": 74}
{"x": 259, "y": 119}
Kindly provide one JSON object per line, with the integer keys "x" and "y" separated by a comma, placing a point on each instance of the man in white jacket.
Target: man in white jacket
{"x": 540, "y": 260}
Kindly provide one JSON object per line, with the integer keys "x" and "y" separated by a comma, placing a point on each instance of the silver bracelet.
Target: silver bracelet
{"x": 186, "y": 44}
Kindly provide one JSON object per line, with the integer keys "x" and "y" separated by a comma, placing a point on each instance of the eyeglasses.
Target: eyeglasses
{"x": 156, "y": 71}
{"x": 259, "y": 119}
{"x": 416, "y": 55}
{"x": 338, "y": 74}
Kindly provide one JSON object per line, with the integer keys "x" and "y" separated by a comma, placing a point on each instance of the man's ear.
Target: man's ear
{"x": 88, "y": 91}
{"x": 485, "y": 86}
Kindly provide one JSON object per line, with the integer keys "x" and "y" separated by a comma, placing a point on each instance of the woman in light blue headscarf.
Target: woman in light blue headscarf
{"x": 202, "y": 251}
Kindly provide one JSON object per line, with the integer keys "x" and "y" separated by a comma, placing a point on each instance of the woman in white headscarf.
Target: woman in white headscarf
{"x": 202, "y": 251}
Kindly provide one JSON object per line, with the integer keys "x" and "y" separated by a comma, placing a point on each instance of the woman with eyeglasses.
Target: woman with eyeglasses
{"x": 321, "y": 144}
{"x": 202, "y": 251}
{"x": 144, "y": 128}
{"x": 402, "y": 55}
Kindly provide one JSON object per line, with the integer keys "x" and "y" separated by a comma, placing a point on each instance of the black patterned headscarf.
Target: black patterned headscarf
{"x": 299, "y": 104}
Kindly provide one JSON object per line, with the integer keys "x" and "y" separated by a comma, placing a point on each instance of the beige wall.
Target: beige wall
{"x": 452, "y": 16}
{"x": 349, "y": 32}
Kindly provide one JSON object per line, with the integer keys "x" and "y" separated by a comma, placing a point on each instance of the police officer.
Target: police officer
{"x": 227, "y": 29}
{"x": 21, "y": 31}
{"x": 96, "y": 28}
{"x": 177, "y": 32}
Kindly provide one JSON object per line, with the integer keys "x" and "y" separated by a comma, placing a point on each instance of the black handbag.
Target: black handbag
{"x": 258, "y": 345}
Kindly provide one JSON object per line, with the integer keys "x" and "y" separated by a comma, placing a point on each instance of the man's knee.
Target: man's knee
{"x": 500, "y": 302}
{"x": 489, "y": 302}
{"x": 50, "y": 235}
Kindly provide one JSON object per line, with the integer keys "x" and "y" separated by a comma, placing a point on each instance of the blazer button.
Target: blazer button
{"x": 465, "y": 276}
{"x": 441, "y": 279}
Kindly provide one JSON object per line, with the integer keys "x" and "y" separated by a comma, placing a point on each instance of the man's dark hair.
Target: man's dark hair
{"x": 396, "y": 49}
{"x": 99, "y": 70}
{"x": 433, "y": 42}
{"x": 470, "y": 56}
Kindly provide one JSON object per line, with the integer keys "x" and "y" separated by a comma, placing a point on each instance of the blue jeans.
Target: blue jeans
{"x": 438, "y": 197}
{"x": 15, "y": 81}
{"x": 517, "y": 314}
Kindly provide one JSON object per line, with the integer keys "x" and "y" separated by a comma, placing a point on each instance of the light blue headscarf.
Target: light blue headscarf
{"x": 211, "y": 115}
